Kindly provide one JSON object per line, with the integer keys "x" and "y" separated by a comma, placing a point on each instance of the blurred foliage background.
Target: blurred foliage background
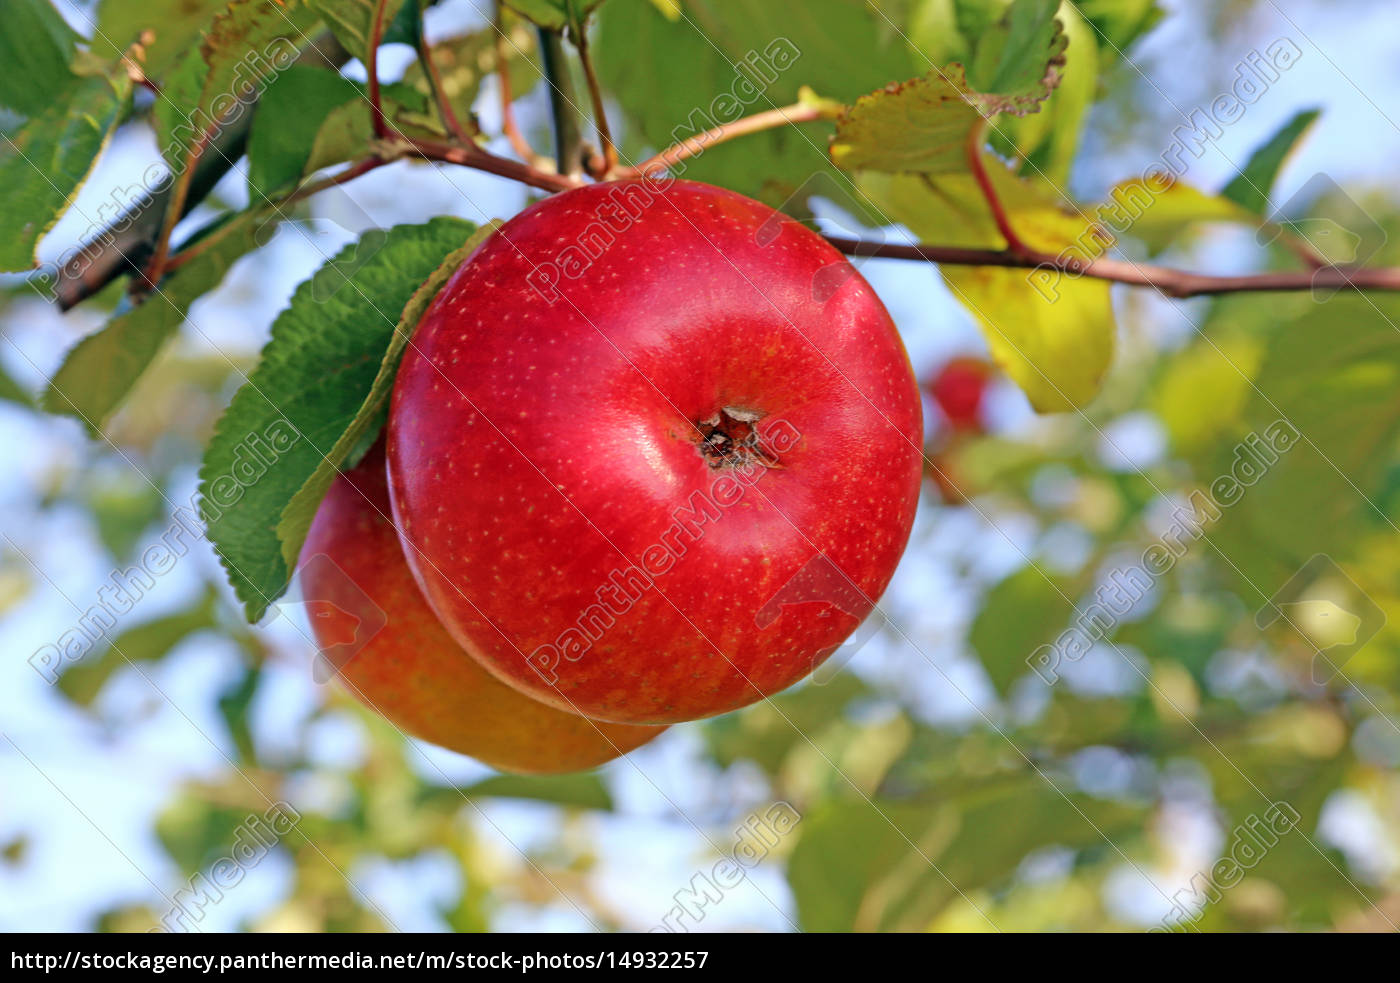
{"x": 940, "y": 784}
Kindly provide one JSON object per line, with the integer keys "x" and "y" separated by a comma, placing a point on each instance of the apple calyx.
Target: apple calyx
{"x": 730, "y": 439}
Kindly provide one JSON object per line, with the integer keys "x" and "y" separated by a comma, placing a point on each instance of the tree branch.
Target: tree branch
{"x": 434, "y": 78}
{"x": 799, "y": 112}
{"x": 517, "y": 139}
{"x": 603, "y": 166}
{"x": 567, "y": 140}
{"x": 127, "y": 243}
{"x": 471, "y": 155}
{"x": 1172, "y": 282}
{"x": 376, "y": 32}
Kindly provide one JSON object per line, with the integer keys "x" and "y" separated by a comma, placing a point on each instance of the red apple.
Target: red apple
{"x": 654, "y": 451}
{"x": 959, "y": 389}
{"x": 392, "y": 654}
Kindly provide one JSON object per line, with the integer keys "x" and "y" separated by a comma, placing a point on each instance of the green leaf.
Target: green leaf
{"x": 1162, "y": 212}
{"x": 1119, "y": 23}
{"x": 1025, "y": 611}
{"x": 584, "y": 790}
{"x": 301, "y": 509}
{"x": 289, "y": 115}
{"x": 1225, "y": 369}
{"x": 43, "y": 165}
{"x": 918, "y": 126}
{"x": 1048, "y": 139}
{"x": 1024, "y": 55}
{"x": 11, "y": 391}
{"x": 102, "y": 368}
{"x": 347, "y": 129}
{"x": 464, "y": 62}
{"x": 555, "y": 14}
{"x": 923, "y": 124}
{"x": 727, "y": 58}
{"x": 317, "y": 371}
{"x": 175, "y": 24}
{"x": 1053, "y": 334}
{"x": 36, "y": 47}
{"x": 1250, "y": 189}
{"x": 242, "y": 51}
{"x": 351, "y": 21}
{"x": 1332, "y": 375}
{"x": 883, "y": 865}
{"x": 145, "y": 643}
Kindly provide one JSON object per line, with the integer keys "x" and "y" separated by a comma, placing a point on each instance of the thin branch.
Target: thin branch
{"x": 567, "y": 140}
{"x": 517, "y": 139}
{"x": 376, "y": 34}
{"x": 1172, "y": 282}
{"x": 434, "y": 77}
{"x": 799, "y": 112}
{"x": 599, "y": 167}
{"x": 470, "y": 155}
{"x": 305, "y": 191}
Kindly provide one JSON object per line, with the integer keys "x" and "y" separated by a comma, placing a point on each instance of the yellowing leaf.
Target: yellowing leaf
{"x": 1159, "y": 210}
{"x": 1053, "y": 338}
{"x": 919, "y": 125}
{"x": 1052, "y": 333}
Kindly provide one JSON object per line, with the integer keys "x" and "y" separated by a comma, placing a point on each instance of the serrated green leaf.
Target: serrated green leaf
{"x": 316, "y": 372}
{"x": 923, "y": 124}
{"x": 243, "y": 49}
{"x": 36, "y": 47}
{"x": 918, "y": 126}
{"x": 301, "y": 509}
{"x": 101, "y": 369}
{"x": 1047, "y": 140}
{"x": 1023, "y": 55}
{"x": 1250, "y": 189}
{"x": 43, "y": 165}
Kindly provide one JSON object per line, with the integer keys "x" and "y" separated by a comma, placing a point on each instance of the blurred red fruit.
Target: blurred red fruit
{"x": 959, "y": 390}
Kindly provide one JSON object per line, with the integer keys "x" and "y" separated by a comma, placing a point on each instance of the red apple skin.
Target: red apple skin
{"x": 411, "y": 670}
{"x": 543, "y": 435}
